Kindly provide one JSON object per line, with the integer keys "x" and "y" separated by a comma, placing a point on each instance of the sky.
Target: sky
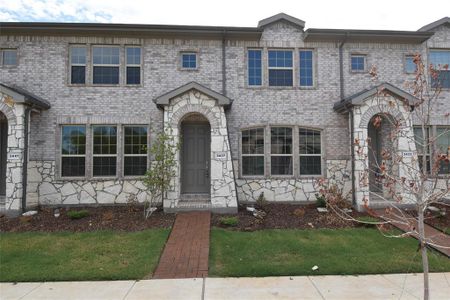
{"x": 344, "y": 14}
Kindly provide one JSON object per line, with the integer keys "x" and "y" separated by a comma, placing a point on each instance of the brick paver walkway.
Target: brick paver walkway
{"x": 186, "y": 252}
{"x": 438, "y": 238}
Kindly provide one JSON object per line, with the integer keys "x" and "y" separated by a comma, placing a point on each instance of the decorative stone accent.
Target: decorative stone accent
{"x": 45, "y": 189}
{"x": 293, "y": 190}
{"x": 223, "y": 189}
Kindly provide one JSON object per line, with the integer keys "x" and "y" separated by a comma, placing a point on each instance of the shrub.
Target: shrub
{"x": 77, "y": 214}
{"x": 261, "y": 202}
{"x": 229, "y": 221}
{"x": 320, "y": 200}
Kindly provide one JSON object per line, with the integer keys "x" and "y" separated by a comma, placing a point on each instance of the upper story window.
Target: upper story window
{"x": 310, "y": 151}
{"x": 133, "y": 61}
{"x": 358, "y": 63}
{"x": 189, "y": 60}
{"x": 8, "y": 57}
{"x": 280, "y": 68}
{"x": 254, "y": 67}
{"x": 410, "y": 66}
{"x": 281, "y": 150}
{"x": 135, "y": 150}
{"x": 105, "y": 65}
{"x": 78, "y": 65}
{"x": 73, "y": 150}
{"x": 306, "y": 68}
{"x": 440, "y": 60}
{"x": 253, "y": 152}
{"x": 105, "y": 150}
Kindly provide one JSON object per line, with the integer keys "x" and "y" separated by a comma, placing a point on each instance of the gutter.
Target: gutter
{"x": 25, "y": 159}
{"x": 352, "y": 154}
{"x": 224, "y": 66}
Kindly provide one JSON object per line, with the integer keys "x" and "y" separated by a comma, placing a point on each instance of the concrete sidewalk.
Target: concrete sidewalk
{"x": 393, "y": 286}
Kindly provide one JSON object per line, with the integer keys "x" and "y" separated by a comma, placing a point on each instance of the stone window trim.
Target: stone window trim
{"x": 89, "y": 151}
{"x": 90, "y": 67}
{"x": 122, "y": 155}
{"x": 180, "y": 60}
{"x": 405, "y": 58}
{"x": 2, "y": 51}
{"x": 366, "y": 62}
{"x": 295, "y": 151}
{"x": 295, "y": 68}
{"x": 140, "y": 65}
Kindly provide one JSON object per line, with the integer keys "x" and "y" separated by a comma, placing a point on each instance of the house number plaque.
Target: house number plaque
{"x": 220, "y": 156}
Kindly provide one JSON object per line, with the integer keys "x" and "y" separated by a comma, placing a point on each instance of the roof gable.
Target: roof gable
{"x": 22, "y": 96}
{"x": 360, "y": 97}
{"x": 165, "y": 98}
{"x": 279, "y": 17}
{"x": 431, "y": 26}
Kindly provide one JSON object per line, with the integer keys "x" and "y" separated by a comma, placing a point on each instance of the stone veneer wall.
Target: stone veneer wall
{"x": 44, "y": 189}
{"x": 223, "y": 189}
{"x": 295, "y": 189}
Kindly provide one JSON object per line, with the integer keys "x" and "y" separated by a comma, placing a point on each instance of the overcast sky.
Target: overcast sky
{"x": 353, "y": 14}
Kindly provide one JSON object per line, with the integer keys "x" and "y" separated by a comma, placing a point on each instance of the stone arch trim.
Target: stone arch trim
{"x": 374, "y": 110}
{"x": 8, "y": 112}
{"x": 195, "y": 108}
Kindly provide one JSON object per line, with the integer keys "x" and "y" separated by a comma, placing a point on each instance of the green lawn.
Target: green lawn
{"x": 295, "y": 252}
{"x": 99, "y": 255}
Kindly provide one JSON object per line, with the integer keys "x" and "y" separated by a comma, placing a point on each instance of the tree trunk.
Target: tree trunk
{"x": 423, "y": 248}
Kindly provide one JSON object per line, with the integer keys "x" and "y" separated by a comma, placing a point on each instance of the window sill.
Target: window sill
{"x": 188, "y": 70}
{"x": 141, "y": 177}
{"x": 358, "y": 72}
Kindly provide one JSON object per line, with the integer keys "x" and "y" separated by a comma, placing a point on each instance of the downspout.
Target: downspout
{"x": 25, "y": 159}
{"x": 352, "y": 126}
{"x": 224, "y": 66}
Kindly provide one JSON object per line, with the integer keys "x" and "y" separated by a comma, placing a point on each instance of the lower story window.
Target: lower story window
{"x": 104, "y": 150}
{"x": 420, "y": 143}
{"x": 281, "y": 150}
{"x": 135, "y": 151}
{"x": 310, "y": 152}
{"x": 253, "y": 152}
{"x": 443, "y": 147}
{"x": 73, "y": 151}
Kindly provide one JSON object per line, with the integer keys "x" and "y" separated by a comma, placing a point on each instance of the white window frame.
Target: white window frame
{"x": 73, "y": 155}
{"x": 316, "y": 155}
{"x": 133, "y": 155}
{"x": 77, "y": 65}
{"x": 104, "y": 155}
{"x": 132, "y": 65}
{"x": 104, "y": 65}
{"x": 290, "y": 155}
{"x": 253, "y": 155}
{"x": 281, "y": 68}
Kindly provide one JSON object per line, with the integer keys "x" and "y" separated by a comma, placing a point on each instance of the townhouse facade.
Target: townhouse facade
{"x": 256, "y": 110}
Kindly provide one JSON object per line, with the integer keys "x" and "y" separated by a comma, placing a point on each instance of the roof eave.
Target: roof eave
{"x": 317, "y": 35}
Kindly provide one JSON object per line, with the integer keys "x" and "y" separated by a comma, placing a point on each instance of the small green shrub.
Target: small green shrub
{"x": 229, "y": 221}
{"x": 77, "y": 214}
{"x": 261, "y": 202}
{"x": 366, "y": 220}
{"x": 320, "y": 200}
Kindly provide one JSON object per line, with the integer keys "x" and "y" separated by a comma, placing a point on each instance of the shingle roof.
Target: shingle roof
{"x": 21, "y": 95}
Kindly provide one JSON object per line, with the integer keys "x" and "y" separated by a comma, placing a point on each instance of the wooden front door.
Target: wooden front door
{"x": 196, "y": 158}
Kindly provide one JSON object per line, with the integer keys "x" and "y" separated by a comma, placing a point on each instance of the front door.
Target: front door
{"x": 3, "y": 143}
{"x": 375, "y": 184}
{"x": 196, "y": 158}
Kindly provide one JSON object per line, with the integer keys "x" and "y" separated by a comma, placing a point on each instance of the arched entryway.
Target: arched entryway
{"x": 195, "y": 156}
{"x": 3, "y": 151}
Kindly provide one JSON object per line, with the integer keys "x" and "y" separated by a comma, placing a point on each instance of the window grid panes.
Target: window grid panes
{"x": 73, "y": 150}
{"x": 78, "y": 65}
{"x": 306, "y": 67}
{"x": 135, "y": 150}
{"x": 133, "y": 61}
{"x": 9, "y": 57}
{"x": 105, "y": 65}
{"x": 443, "y": 147}
{"x": 253, "y": 152}
{"x": 358, "y": 62}
{"x": 281, "y": 150}
{"x": 410, "y": 66}
{"x": 420, "y": 142}
{"x": 440, "y": 60}
{"x": 254, "y": 67}
{"x": 280, "y": 68}
{"x": 104, "y": 150}
{"x": 310, "y": 151}
{"x": 189, "y": 60}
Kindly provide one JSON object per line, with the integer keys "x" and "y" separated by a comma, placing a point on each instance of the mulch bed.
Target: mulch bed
{"x": 122, "y": 218}
{"x": 288, "y": 216}
{"x": 441, "y": 220}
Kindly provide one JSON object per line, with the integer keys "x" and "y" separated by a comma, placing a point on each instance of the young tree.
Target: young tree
{"x": 395, "y": 178}
{"x": 158, "y": 178}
